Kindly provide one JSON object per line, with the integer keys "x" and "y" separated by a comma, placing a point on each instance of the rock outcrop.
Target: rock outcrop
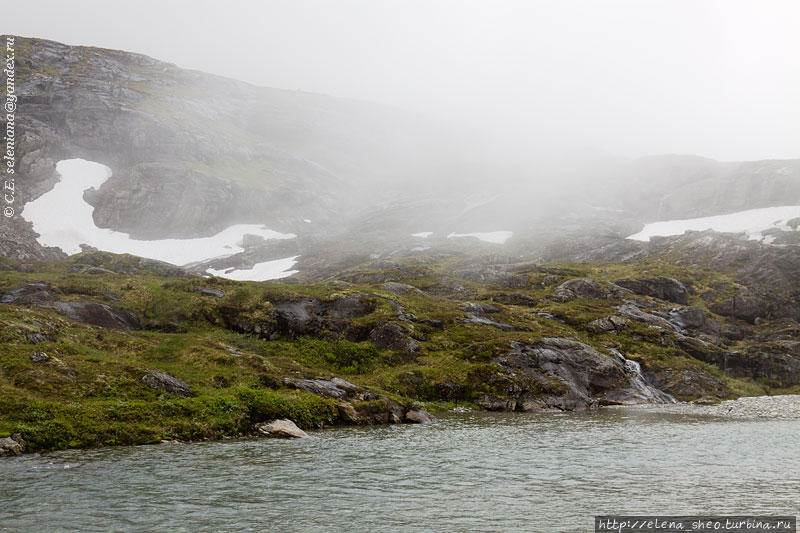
{"x": 13, "y": 445}
{"x": 158, "y": 380}
{"x": 668, "y": 289}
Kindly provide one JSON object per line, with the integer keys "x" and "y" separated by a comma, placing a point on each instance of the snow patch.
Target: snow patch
{"x": 753, "y": 222}
{"x": 422, "y": 234}
{"x": 64, "y": 219}
{"x": 307, "y": 220}
{"x": 496, "y": 237}
{"x": 277, "y": 269}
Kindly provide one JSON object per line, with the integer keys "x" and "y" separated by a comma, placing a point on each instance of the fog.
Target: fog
{"x": 622, "y": 78}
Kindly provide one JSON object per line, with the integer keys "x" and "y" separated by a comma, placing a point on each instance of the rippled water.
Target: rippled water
{"x": 465, "y": 472}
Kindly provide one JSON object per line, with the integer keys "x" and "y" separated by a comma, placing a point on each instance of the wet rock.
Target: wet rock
{"x": 687, "y": 317}
{"x": 391, "y": 336}
{"x": 13, "y": 445}
{"x": 30, "y": 294}
{"x": 216, "y": 293}
{"x": 351, "y": 306}
{"x": 563, "y": 374}
{"x": 669, "y": 289}
{"x": 301, "y": 317}
{"x": 167, "y": 383}
{"x": 281, "y": 429}
{"x": 417, "y": 416}
{"x": 98, "y": 315}
{"x": 39, "y": 357}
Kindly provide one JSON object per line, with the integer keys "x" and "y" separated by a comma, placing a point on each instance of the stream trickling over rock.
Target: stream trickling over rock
{"x": 473, "y": 471}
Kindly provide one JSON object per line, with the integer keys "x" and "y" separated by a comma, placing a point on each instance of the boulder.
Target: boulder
{"x": 39, "y": 357}
{"x": 281, "y": 429}
{"x": 417, "y": 416}
{"x": 479, "y": 308}
{"x": 167, "y": 383}
{"x": 578, "y": 288}
{"x": 669, "y": 289}
{"x": 13, "y": 445}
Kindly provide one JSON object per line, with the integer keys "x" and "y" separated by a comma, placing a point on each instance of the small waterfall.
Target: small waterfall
{"x": 639, "y": 383}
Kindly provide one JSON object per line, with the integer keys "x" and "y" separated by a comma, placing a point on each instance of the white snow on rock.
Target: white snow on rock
{"x": 276, "y": 269}
{"x": 753, "y": 222}
{"x": 422, "y": 234}
{"x": 496, "y": 237}
{"x": 64, "y": 219}
{"x": 307, "y": 220}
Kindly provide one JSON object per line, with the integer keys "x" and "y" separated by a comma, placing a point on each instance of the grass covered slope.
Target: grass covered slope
{"x": 79, "y": 336}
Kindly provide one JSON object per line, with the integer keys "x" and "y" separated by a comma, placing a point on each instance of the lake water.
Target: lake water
{"x": 465, "y": 472}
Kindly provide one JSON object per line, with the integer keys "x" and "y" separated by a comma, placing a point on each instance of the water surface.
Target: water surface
{"x": 465, "y": 472}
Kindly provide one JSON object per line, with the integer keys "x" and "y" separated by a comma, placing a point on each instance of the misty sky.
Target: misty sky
{"x": 716, "y": 78}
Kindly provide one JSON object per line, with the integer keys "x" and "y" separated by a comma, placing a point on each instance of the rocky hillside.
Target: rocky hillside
{"x": 192, "y": 153}
{"x": 102, "y": 349}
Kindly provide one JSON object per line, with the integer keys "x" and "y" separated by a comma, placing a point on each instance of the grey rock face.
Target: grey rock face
{"x": 98, "y": 315}
{"x": 30, "y": 294}
{"x": 391, "y": 336}
{"x": 167, "y": 383}
{"x": 688, "y": 317}
{"x": 333, "y": 388}
{"x": 585, "y": 288}
{"x": 669, "y": 289}
{"x": 558, "y": 373}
